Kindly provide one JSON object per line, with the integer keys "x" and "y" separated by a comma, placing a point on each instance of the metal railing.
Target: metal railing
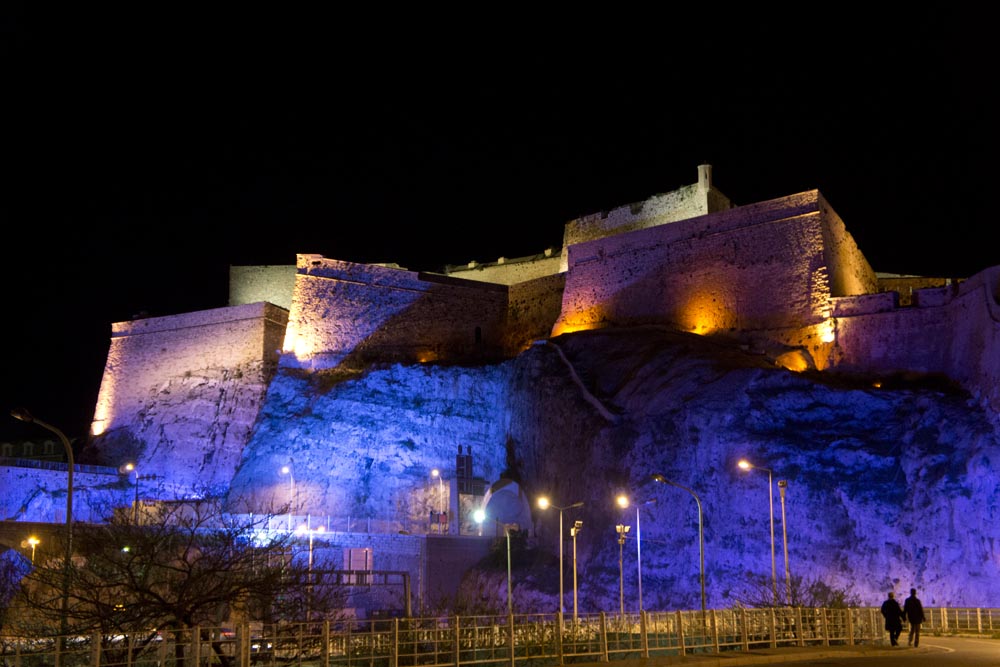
{"x": 499, "y": 641}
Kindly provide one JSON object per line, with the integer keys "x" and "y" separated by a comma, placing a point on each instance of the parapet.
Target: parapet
{"x": 200, "y": 318}
{"x": 689, "y": 201}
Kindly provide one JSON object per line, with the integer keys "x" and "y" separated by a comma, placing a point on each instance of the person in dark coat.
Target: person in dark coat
{"x": 893, "y": 614}
{"x": 914, "y": 612}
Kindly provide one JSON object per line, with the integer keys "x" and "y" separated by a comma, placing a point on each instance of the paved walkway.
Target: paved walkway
{"x": 763, "y": 656}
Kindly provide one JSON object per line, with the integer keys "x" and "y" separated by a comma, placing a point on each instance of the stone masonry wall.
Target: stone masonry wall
{"x": 689, "y": 201}
{"x": 762, "y": 266}
{"x": 957, "y": 333}
{"x": 509, "y": 271}
{"x": 348, "y": 314}
{"x": 849, "y": 271}
{"x": 251, "y": 284}
{"x": 180, "y": 394}
{"x": 905, "y": 286}
{"x": 533, "y": 309}
{"x": 146, "y": 352}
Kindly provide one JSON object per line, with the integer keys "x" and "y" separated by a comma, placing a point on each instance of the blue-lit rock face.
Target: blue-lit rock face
{"x": 363, "y": 445}
{"x": 888, "y": 487}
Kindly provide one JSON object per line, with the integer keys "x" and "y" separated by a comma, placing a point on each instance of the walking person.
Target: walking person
{"x": 914, "y": 612}
{"x": 893, "y": 614}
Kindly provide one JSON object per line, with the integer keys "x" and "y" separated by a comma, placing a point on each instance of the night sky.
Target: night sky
{"x": 146, "y": 153}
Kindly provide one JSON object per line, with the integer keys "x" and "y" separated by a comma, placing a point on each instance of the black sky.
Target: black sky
{"x": 145, "y": 154}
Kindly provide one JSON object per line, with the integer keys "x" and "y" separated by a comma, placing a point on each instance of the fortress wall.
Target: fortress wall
{"x": 347, "y": 313}
{"x": 147, "y": 354}
{"x": 958, "y": 336}
{"x": 754, "y": 267}
{"x": 905, "y": 285}
{"x": 253, "y": 284}
{"x": 510, "y": 272}
{"x": 849, "y": 271}
{"x": 686, "y": 202}
{"x": 532, "y": 310}
{"x": 864, "y": 304}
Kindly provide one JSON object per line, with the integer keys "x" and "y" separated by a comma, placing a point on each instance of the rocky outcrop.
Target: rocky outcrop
{"x": 891, "y": 482}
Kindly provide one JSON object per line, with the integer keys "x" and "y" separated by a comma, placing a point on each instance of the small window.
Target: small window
{"x": 7, "y": 450}
{"x": 48, "y": 448}
{"x": 28, "y": 449}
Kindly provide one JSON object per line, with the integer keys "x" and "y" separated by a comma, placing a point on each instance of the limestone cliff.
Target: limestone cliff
{"x": 889, "y": 486}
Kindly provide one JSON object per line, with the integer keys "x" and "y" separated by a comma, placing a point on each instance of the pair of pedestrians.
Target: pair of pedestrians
{"x": 912, "y": 611}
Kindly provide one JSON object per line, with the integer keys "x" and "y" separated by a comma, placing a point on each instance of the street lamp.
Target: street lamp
{"x": 479, "y": 516}
{"x": 544, "y": 503}
{"x": 510, "y": 597}
{"x": 623, "y": 502}
{"x": 701, "y": 536}
{"x": 746, "y": 465}
{"x": 574, "y": 531}
{"x": 23, "y": 415}
{"x": 622, "y": 531}
{"x": 33, "y": 542}
{"x": 782, "y": 485}
{"x": 287, "y": 470}
{"x": 126, "y": 469}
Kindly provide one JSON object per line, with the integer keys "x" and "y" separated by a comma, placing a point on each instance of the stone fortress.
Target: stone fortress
{"x": 781, "y": 278}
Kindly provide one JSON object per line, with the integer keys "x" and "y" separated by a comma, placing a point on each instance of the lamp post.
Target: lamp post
{"x": 574, "y": 531}
{"x": 23, "y": 415}
{"x": 479, "y": 516}
{"x": 746, "y": 465}
{"x": 126, "y": 469}
{"x": 623, "y": 502}
{"x": 701, "y": 536}
{"x": 33, "y": 542}
{"x": 312, "y": 532}
{"x": 287, "y": 470}
{"x": 510, "y": 597}
{"x": 622, "y": 531}
{"x": 544, "y": 504}
{"x": 782, "y": 485}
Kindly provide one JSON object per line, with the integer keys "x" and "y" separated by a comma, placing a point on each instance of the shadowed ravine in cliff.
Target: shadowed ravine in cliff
{"x": 888, "y": 487}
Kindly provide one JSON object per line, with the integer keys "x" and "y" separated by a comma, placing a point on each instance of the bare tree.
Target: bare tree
{"x": 172, "y": 567}
{"x": 757, "y": 592}
{"x": 13, "y": 568}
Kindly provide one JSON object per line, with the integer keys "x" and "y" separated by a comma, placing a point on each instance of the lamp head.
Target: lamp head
{"x": 435, "y": 472}
{"x": 479, "y": 515}
{"x": 543, "y": 503}
{"x": 22, "y": 414}
{"x": 622, "y": 501}
{"x": 744, "y": 464}
{"x": 659, "y": 478}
